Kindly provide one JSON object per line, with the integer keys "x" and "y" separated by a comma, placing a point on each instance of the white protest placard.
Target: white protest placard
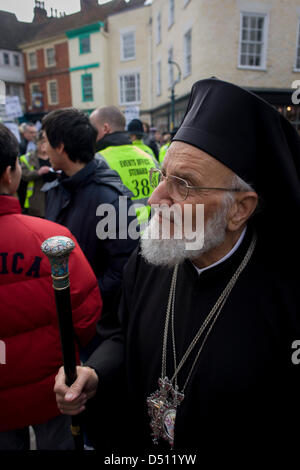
{"x": 38, "y": 125}
{"x": 13, "y": 127}
{"x": 2, "y": 99}
{"x": 131, "y": 112}
{"x": 13, "y": 107}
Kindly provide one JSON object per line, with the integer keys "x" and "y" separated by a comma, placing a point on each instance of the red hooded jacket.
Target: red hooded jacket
{"x": 30, "y": 351}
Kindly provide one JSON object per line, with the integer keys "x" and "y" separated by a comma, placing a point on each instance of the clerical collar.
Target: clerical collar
{"x": 233, "y": 250}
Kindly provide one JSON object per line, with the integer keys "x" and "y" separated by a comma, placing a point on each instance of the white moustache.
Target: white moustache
{"x": 161, "y": 215}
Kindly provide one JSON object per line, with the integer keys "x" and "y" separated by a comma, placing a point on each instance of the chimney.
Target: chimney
{"x": 40, "y": 13}
{"x": 86, "y": 5}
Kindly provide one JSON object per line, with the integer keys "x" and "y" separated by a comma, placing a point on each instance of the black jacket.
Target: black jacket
{"x": 23, "y": 145}
{"x": 114, "y": 139}
{"x": 73, "y": 202}
{"x": 152, "y": 144}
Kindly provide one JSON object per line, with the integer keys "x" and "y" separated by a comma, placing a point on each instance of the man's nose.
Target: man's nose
{"x": 160, "y": 195}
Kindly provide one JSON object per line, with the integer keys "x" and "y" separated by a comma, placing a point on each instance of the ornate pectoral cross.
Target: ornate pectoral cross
{"x": 162, "y": 406}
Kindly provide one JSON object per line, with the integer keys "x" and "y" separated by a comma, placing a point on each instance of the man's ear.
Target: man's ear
{"x": 60, "y": 148}
{"x": 106, "y": 128}
{"x": 244, "y": 206}
{"x": 5, "y": 180}
{"x": 6, "y": 176}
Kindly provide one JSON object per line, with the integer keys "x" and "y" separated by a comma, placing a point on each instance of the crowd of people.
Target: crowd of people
{"x": 35, "y": 163}
{"x": 178, "y": 348}
{"x": 63, "y": 173}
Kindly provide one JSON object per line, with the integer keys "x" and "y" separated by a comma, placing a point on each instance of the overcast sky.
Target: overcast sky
{"x": 24, "y": 8}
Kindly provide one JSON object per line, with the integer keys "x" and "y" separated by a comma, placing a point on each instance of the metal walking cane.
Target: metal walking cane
{"x": 58, "y": 250}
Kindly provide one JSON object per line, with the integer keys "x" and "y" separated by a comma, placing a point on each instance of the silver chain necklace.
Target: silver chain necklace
{"x": 162, "y": 404}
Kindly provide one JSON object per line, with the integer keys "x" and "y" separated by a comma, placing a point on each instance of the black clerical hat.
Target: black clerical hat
{"x": 249, "y": 136}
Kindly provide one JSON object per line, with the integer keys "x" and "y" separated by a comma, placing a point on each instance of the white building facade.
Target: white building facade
{"x": 12, "y": 73}
{"x": 129, "y": 42}
{"x": 88, "y": 66}
{"x": 145, "y": 54}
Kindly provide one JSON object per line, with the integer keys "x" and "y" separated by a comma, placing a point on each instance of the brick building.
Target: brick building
{"x": 47, "y": 76}
{"x": 54, "y": 64}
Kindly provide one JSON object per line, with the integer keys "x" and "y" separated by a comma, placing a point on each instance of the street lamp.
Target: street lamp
{"x": 170, "y": 61}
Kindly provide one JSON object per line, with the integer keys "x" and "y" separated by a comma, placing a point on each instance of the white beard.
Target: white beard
{"x": 167, "y": 251}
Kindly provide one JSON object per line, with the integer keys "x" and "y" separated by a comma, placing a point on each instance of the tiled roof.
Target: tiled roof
{"x": 10, "y": 31}
{"x": 14, "y": 33}
{"x": 51, "y": 27}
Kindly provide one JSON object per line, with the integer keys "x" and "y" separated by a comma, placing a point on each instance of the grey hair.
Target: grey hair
{"x": 237, "y": 183}
{"x": 234, "y": 182}
{"x": 27, "y": 125}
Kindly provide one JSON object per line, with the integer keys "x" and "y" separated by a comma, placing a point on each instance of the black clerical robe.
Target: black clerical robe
{"x": 244, "y": 390}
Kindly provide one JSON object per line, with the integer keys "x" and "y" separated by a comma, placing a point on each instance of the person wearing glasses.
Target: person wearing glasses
{"x": 204, "y": 360}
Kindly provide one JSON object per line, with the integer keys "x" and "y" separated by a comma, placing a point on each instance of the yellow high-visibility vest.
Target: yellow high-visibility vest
{"x": 140, "y": 144}
{"x": 133, "y": 165}
{"x": 30, "y": 186}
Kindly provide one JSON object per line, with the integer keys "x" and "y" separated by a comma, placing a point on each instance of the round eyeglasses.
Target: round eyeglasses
{"x": 177, "y": 188}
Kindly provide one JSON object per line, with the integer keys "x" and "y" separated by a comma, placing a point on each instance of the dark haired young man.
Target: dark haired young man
{"x": 84, "y": 185}
{"x": 29, "y": 330}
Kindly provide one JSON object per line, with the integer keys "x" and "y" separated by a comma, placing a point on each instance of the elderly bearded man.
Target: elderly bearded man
{"x": 202, "y": 359}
